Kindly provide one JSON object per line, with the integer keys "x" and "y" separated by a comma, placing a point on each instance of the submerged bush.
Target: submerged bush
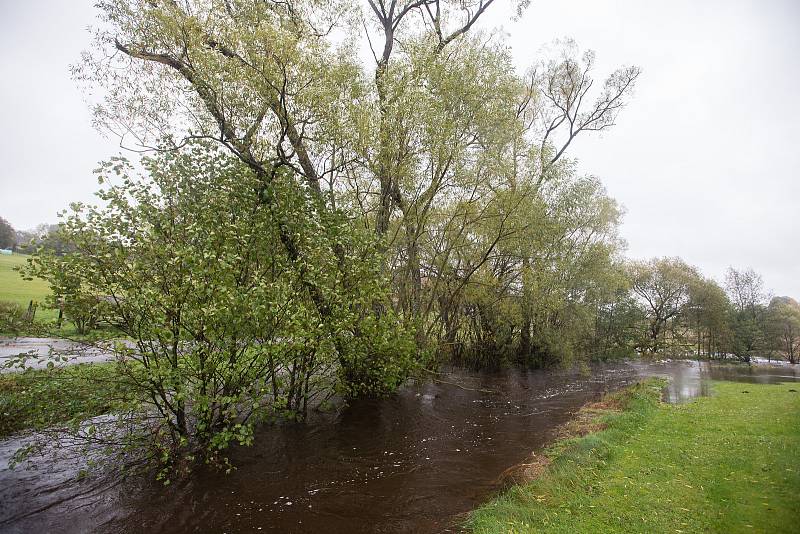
{"x": 196, "y": 268}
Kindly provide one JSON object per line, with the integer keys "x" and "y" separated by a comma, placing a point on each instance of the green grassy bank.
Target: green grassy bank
{"x": 726, "y": 463}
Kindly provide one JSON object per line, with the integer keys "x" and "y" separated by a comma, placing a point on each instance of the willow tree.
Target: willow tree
{"x": 279, "y": 85}
{"x": 414, "y": 145}
{"x": 556, "y": 262}
{"x": 268, "y": 82}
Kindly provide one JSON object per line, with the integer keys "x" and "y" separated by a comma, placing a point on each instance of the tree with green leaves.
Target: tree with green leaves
{"x": 709, "y": 314}
{"x": 441, "y": 119}
{"x": 783, "y": 326}
{"x": 745, "y": 289}
{"x": 664, "y": 287}
{"x": 8, "y": 237}
{"x": 189, "y": 261}
{"x": 314, "y": 223}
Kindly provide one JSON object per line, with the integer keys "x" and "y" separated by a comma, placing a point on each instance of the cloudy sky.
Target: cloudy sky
{"x": 705, "y": 159}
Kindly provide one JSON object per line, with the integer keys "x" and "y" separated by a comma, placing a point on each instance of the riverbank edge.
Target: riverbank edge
{"x": 583, "y": 442}
{"x": 574, "y": 442}
{"x": 575, "y": 468}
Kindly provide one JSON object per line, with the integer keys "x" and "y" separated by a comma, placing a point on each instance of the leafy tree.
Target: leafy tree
{"x": 746, "y": 290}
{"x": 619, "y": 327}
{"x": 783, "y": 325}
{"x": 225, "y": 333}
{"x": 409, "y": 148}
{"x": 318, "y": 224}
{"x": 709, "y": 313}
{"x": 663, "y": 287}
{"x": 8, "y": 237}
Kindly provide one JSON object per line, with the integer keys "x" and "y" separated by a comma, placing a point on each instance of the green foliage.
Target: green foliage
{"x": 661, "y": 468}
{"x": 783, "y": 327}
{"x": 378, "y": 359}
{"x": 553, "y": 272}
{"x": 748, "y": 334}
{"x": 8, "y": 237}
{"x": 664, "y": 289}
{"x": 12, "y": 317}
{"x": 438, "y": 151}
{"x": 189, "y": 262}
{"x": 41, "y": 399}
{"x": 746, "y": 291}
{"x": 618, "y": 327}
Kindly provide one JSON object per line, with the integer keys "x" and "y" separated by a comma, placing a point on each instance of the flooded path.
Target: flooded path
{"x": 415, "y": 462}
{"x": 39, "y": 349}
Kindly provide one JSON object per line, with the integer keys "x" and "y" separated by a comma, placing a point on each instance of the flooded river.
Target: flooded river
{"x": 415, "y": 462}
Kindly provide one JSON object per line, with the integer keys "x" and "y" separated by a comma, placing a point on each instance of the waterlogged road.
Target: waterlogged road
{"x": 416, "y": 462}
{"x": 40, "y": 350}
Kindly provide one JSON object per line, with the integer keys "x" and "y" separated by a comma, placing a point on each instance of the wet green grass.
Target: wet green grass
{"x": 727, "y": 463}
{"x": 13, "y": 288}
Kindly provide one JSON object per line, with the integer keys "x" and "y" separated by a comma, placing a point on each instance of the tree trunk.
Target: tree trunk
{"x": 525, "y": 329}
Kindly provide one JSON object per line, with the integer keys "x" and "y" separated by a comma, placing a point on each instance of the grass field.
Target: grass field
{"x": 14, "y": 289}
{"x": 727, "y": 463}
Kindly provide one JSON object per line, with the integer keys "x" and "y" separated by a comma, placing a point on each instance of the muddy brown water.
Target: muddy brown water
{"x": 415, "y": 462}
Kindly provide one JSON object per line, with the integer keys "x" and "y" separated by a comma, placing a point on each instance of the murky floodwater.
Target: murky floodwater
{"x": 39, "y": 349}
{"x": 415, "y": 462}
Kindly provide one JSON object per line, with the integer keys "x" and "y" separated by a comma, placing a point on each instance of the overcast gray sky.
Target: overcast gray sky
{"x": 705, "y": 159}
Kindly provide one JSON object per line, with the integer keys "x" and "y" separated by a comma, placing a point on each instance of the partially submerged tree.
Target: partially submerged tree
{"x": 709, "y": 315}
{"x": 346, "y": 210}
{"x": 188, "y": 259}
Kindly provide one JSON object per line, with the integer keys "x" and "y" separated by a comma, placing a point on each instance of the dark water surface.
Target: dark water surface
{"x": 416, "y": 462}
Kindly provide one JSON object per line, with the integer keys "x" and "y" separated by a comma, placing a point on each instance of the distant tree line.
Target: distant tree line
{"x": 27, "y": 241}
{"x": 684, "y": 313}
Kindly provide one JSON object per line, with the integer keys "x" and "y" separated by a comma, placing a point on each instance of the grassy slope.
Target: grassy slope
{"x": 13, "y": 288}
{"x": 727, "y": 463}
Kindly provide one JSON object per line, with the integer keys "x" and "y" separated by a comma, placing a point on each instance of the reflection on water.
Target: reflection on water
{"x": 690, "y": 379}
{"x": 410, "y": 463}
